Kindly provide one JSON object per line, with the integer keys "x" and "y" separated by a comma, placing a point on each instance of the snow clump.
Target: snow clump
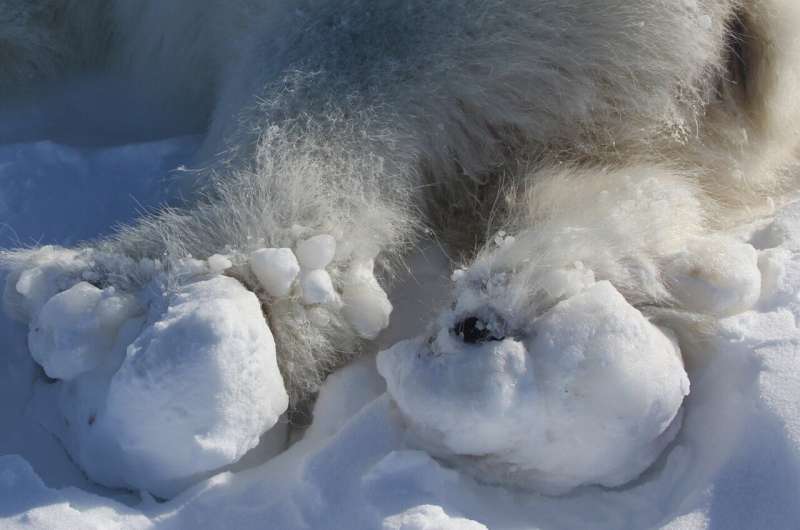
{"x": 590, "y": 393}
{"x": 276, "y": 269}
{"x": 156, "y": 393}
{"x": 76, "y": 328}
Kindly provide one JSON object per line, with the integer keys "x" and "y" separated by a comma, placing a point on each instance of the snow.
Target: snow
{"x": 727, "y": 283}
{"x": 185, "y": 391}
{"x": 316, "y": 252}
{"x": 317, "y": 287}
{"x": 50, "y": 271}
{"x": 88, "y": 188}
{"x": 75, "y": 329}
{"x": 553, "y": 410}
{"x": 276, "y": 269}
{"x": 366, "y": 305}
{"x": 427, "y": 517}
{"x": 218, "y": 263}
{"x": 733, "y": 464}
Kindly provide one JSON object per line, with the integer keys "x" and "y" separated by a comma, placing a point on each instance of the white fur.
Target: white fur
{"x": 609, "y": 132}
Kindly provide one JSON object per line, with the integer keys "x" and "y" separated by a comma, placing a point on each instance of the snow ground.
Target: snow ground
{"x": 735, "y": 464}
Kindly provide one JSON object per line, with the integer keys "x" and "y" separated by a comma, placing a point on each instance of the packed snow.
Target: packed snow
{"x": 75, "y": 328}
{"x": 171, "y": 396}
{"x": 591, "y": 394}
{"x": 366, "y": 304}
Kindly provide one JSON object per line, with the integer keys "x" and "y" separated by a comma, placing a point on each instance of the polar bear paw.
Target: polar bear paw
{"x": 589, "y": 392}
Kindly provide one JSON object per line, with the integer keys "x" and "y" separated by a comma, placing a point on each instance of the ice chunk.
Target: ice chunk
{"x": 48, "y": 271}
{"x": 194, "y": 393}
{"x": 219, "y": 263}
{"x": 317, "y": 287}
{"x": 276, "y": 269}
{"x": 716, "y": 275}
{"x": 366, "y": 305}
{"x": 589, "y": 394}
{"x": 76, "y": 328}
{"x": 316, "y": 252}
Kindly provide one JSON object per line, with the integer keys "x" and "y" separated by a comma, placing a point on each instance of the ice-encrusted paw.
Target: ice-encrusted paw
{"x": 157, "y": 390}
{"x": 150, "y": 388}
{"x": 589, "y": 392}
{"x": 284, "y": 272}
{"x": 178, "y": 376}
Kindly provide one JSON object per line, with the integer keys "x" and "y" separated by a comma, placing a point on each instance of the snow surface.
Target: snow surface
{"x": 734, "y": 463}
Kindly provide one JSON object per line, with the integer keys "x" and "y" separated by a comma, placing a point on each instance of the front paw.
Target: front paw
{"x": 590, "y": 392}
{"x": 153, "y": 388}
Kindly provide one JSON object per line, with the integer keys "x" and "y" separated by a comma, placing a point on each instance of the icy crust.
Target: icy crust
{"x": 589, "y": 394}
{"x": 153, "y": 391}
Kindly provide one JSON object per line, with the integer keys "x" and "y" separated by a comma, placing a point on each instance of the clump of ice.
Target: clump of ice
{"x": 197, "y": 388}
{"x": 50, "y": 270}
{"x": 276, "y": 269}
{"x": 219, "y": 263}
{"x": 76, "y": 328}
{"x": 366, "y": 305}
{"x": 316, "y": 252}
{"x": 363, "y": 302}
{"x": 317, "y": 287}
{"x": 193, "y": 391}
{"x": 590, "y": 393}
{"x": 716, "y": 275}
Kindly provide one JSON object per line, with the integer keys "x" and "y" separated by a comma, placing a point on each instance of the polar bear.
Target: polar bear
{"x": 607, "y": 139}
